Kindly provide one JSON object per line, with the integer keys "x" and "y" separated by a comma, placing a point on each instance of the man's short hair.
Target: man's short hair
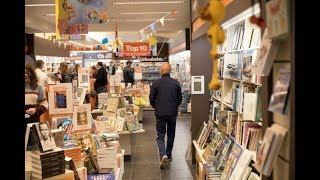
{"x": 64, "y": 64}
{"x": 39, "y": 64}
{"x": 100, "y": 63}
{"x": 129, "y": 62}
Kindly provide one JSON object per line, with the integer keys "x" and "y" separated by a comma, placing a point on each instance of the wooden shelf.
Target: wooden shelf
{"x": 199, "y": 151}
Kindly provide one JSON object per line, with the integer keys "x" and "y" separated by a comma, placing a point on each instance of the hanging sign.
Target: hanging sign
{"x": 136, "y": 49}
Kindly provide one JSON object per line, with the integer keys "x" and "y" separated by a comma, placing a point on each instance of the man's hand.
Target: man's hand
{"x": 31, "y": 111}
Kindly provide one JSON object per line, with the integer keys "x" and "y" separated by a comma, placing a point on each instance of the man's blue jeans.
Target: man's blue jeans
{"x": 166, "y": 124}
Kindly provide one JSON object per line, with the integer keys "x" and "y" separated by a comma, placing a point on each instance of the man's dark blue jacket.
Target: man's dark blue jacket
{"x": 165, "y": 96}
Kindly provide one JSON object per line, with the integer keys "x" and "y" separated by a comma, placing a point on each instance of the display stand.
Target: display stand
{"x": 199, "y": 161}
{"x": 125, "y": 140}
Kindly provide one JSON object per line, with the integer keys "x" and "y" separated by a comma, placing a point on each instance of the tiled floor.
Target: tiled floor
{"x": 144, "y": 162}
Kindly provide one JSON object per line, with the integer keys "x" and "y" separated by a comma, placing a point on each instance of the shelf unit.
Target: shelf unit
{"x": 51, "y": 63}
{"x": 242, "y": 42}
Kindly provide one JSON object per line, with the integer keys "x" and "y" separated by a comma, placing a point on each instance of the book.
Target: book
{"x": 43, "y": 176}
{"x": 201, "y": 131}
{"x": 264, "y": 149}
{"x": 67, "y": 175}
{"x": 246, "y": 174}
{"x": 48, "y": 165}
{"x": 49, "y": 170}
{"x": 60, "y": 98}
{"x": 230, "y": 67}
{"x": 250, "y": 106}
{"x": 280, "y": 133}
{"x": 253, "y": 176}
{"x": 70, "y": 165}
{"x": 86, "y": 140}
{"x": 82, "y": 172}
{"x": 56, "y": 122}
{"x": 30, "y": 142}
{"x": 277, "y": 12}
{"x": 132, "y": 123}
{"x": 44, "y": 136}
{"x": 222, "y": 153}
{"x": 42, "y": 155}
{"x": 222, "y": 119}
{"x": 231, "y": 125}
{"x": 242, "y": 165}
{"x": 92, "y": 160}
{"x": 280, "y": 92}
{"x": 110, "y": 176}
{"x": 266, "y": 55}
{"x": 83, "y": 78}
{"x": 82, "y": 117}
{"x": 232, "y": 161}
{"x": 49, "y": 160}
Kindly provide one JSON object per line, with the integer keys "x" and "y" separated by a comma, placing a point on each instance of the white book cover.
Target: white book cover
{"x": 60, "y": 98}
{"x": 82, "y": 117}
{"x": 47, "y": 141}
{"x": 230, "y": 66}
{"x": 265, "y": 55}
{"x": 277, "y": 17}
{"x": 253, "y": 176}
{"x": 84, "y": 78}
{"x": 242, "y": 165}
{"x": 249, "y": 106}
{"x": 81, "y": 95}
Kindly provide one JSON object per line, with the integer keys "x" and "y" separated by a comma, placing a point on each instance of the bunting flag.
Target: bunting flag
{"x": 152, "y": 27}
{"x": 162, "y": 21}
{"x": 173, "y": 13}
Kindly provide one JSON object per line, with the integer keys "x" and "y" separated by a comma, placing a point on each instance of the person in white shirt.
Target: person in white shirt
{"x": 42, "y": 76}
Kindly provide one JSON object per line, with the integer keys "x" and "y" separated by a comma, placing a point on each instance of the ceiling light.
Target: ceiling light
{"x": 38, "y": 5}
{"x": 134, "y": 20}
{"x": 163, "y": 12}
{"x": 49, "y": 14}
{"x": 150, "y": 2}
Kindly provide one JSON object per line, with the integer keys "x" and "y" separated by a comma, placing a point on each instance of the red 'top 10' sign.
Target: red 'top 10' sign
{"x": 136, "y": 49}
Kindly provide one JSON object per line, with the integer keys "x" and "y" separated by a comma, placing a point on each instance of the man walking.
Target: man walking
{"x": 165, "y": 97}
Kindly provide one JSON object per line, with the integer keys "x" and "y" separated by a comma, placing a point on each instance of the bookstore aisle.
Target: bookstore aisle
{"x": 144, "y": 162}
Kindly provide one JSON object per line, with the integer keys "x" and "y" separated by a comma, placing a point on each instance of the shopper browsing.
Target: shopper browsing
{"x": 165, "y": 97}
{"x": 42, "y": 76}
{"x": 128, "y": 73}
{"x": 35, "y": 98}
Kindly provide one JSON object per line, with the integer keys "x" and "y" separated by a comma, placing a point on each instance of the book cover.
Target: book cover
{"x": 83, "y": 78}
{"x": 47, "y": 141}
{"x": 230, "y": 67}
{"x": 57, "y": 121}
{"x": 30, "y": 142}
{"x": 121, "y": 113}
{"x": 48, "y": 161}
{"x": 265, "y": 55}
{"x": 101, "y": 176}
{"x": 112, "y": 104}
{"x": 222, "y": 118}
{"x": 264, "y": 149}
{"x": 242, "y": 165}
{"x": 233, "y": 158}
{"x": 86, "y": 140}
{"x": 277, "y": 18}
{"x": 48, "y": 170}
{"x": 82, "y": 117}
{"x": 60, "y": 98}
{"x": 43, "y": 176}
{"x": 250, "y": 106}
{"x": 92, "y": 160}
{"x": 200, "y": 132}
{"x": 222, "y": 153}
{"x": 132, "y": 123}
{"x": 231, "y": 126}
{"x": 280, "y": 92}
{"x": 81, "y": 94}
{"x": 70, "y": 165}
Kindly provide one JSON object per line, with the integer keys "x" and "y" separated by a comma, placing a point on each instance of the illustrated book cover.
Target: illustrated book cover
{"x": 82, "y": 117}
{"x": 84, "y": 78}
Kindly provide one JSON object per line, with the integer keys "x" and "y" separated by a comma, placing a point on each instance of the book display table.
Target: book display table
{"x": 125, "y": 140}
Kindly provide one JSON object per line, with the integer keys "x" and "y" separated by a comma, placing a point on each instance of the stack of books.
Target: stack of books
{"x": 107, "y": 157}
{"x": 73, "y": 152}
{"x": 211, "y": 171}
{"x": 47, "y": 164}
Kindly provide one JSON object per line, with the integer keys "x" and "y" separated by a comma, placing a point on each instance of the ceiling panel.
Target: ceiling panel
{"x": 35, "y": 19}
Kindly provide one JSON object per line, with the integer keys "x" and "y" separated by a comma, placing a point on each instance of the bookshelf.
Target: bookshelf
{"x": 51, "y": 63}
{"x": 240, "y": 90}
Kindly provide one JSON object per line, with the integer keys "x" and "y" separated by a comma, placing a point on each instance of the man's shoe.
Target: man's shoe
{"x": 163, "y": 162}
{"x": 169, "y": 159}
